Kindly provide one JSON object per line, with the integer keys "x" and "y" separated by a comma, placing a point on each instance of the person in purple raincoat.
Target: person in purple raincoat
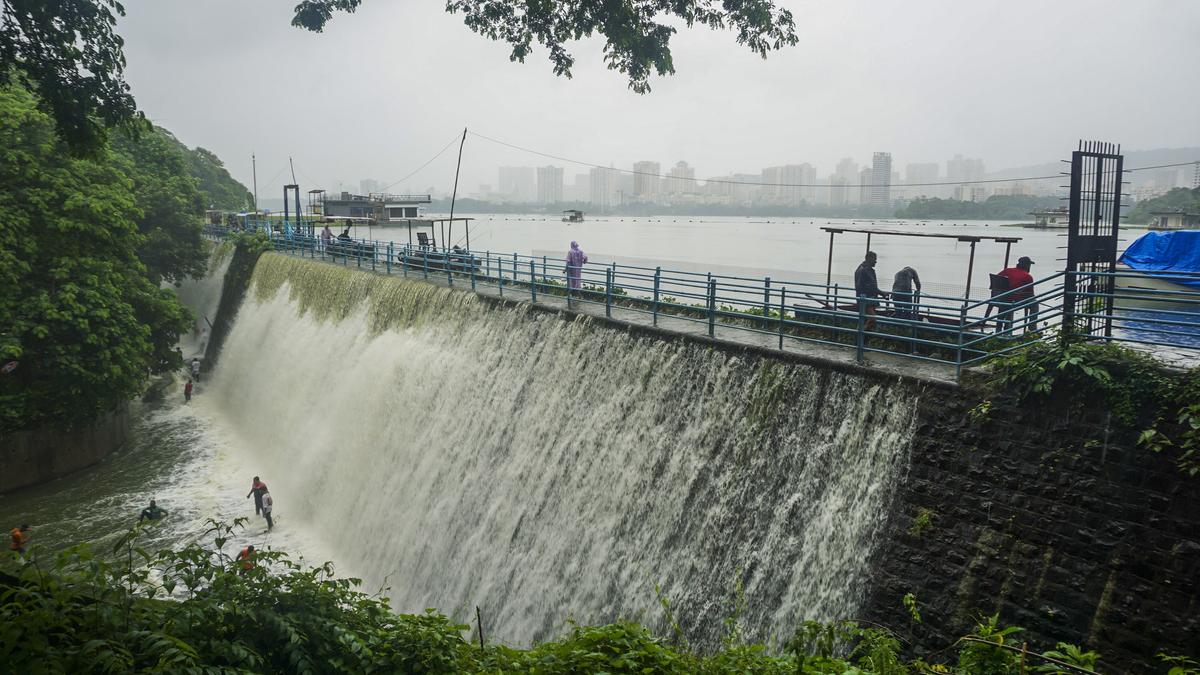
{"x": 576, "y": 259}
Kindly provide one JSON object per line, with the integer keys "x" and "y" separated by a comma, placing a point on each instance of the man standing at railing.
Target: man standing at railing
{"x": 903, "y": 296}
{"x": 866, "y": 289}
{"x": 1020, "y": 295}
{"x": 326, "y": 236}
{"x": 576, "y": 259}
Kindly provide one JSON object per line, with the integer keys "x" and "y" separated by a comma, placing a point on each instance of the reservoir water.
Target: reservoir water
{"x": 793, "y": 249}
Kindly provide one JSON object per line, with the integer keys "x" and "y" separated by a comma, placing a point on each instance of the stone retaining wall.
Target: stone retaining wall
{"x": 1062, "y": 526}
{"x": 40, "y": 455}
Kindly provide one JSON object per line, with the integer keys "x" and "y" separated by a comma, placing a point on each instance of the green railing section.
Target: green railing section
{"x": 948, "y": 330}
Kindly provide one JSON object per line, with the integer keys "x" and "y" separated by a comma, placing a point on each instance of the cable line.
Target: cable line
{"x": 427, "y": 163}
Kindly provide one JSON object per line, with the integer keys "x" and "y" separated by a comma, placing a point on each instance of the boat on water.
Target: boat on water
{"x": 1160, "y": 270}
{"x": 572, "y": 216}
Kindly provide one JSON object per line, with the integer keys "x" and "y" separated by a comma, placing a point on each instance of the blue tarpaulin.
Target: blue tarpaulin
{"x": 1168, "y": 253}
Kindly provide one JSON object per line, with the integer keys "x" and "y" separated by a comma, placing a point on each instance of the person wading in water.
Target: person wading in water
{"x": 257, "y": 489}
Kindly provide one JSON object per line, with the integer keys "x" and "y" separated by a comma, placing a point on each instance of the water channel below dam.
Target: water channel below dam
{"x": 466, "y": 453}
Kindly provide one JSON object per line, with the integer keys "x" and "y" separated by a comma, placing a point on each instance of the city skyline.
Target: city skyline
{"x": 878, "y": 184}
{"x": 725, "y": 111}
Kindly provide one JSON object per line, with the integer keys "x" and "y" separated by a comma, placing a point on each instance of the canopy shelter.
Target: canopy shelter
{"x": 969, "y": 238}
{"x": 437, "y": 224}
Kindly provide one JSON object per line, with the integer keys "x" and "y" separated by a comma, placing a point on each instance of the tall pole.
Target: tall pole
{"x": 254, "y": 172}
{"x": 454, "y": 195}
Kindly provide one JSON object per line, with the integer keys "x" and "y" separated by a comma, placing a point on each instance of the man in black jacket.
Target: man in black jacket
{"x": 866, "y": 288}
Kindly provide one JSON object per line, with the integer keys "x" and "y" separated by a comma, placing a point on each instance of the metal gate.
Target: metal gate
{"x": 1095, "y": 214}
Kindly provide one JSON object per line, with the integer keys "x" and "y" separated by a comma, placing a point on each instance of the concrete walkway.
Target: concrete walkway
{"x": 842, "y": 357}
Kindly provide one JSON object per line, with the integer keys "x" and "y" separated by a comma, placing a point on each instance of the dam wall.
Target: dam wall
{"x": 468, "y": 453}
{"x": 546, "y": 467}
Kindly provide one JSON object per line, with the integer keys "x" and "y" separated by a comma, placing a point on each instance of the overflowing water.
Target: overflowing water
{"x": 468, "y": 454}
{"x": 202, "y": 296}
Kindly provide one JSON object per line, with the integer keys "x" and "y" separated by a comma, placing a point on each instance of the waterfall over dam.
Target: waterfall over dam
{"x": 467, "y": 453}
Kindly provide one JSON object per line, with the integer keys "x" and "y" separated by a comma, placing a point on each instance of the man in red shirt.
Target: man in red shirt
{"x": 258, "y": 489}
{"x": 1020, "y": 284}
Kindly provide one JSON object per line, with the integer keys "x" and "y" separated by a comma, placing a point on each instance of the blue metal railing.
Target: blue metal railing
{"x": 953, "y": 331}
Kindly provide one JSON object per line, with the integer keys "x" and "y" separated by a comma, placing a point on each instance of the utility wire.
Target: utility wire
{"x": 427, "y": 163}
{"x": 806, "y": 185}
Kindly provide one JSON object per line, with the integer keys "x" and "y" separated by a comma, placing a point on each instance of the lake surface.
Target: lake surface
{"x": 794, "y": 249}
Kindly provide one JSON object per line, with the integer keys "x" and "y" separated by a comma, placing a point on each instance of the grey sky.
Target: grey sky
{"x": 1013, "y": 82}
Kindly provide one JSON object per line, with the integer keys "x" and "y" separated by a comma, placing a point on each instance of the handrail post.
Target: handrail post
{"x": 962, "y": 322}
{"x": 471, "y": 262}
{"x": 425, "y": 261}
{"x": 782, "y": 309}
{"x": 712, "y": 306}
{"x": 832, "y": 310}
{"x": 374, "y": 250}
{"x": 389, "y": 258}
{"x": 543, "y": 269}
{"x": 861, "y": 338}
{"x": 447, "y": 264}
{"x": 532, "y": 280}
{"x": 358, "y": 254}
{"x": 766, "y": 299}
{"x": 657, "y": 286}
{"x": 608, "y": 282}
{"x": 500, "y": 274}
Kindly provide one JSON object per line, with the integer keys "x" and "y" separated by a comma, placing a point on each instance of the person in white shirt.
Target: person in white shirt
{"x": 267, "y": 505}
{"x": 196, "y": 369}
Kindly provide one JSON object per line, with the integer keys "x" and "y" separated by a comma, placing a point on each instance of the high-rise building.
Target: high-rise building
{"x": 881, "y": 179}
{"x": 646, "y": 182}
{"x": 847, "y": 172}
{"x": 838, "y": 193}
{"x": 603, "y": 188}
{"x": 549, "y": 184}
{"x": 681, "y": 179}
{"x": 517, "y": 183}
{"x": 579, "y": 190}
{"x": 772, "y": 184}
{"x": 865, "y": 181}
{"x": 917, "y": 175}
{"x": 789, "y": 184}
{"x": 964, "y": 170}
{"x": 961, "y": 169}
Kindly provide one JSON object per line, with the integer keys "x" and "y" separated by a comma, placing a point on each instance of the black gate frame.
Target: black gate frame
{"x": 1095, "y": 214}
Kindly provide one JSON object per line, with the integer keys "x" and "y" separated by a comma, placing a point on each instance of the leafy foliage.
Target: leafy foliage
{"x": 79, "y": 313}
{"x": 1004, "y": 207}
{"x": 202, "y": 609}
{"x": 1163, "y": 406}
{"x": 218, "y": 190}
{"x": 638, "y": 32}
{"x": 70, "y": 54}
{"x": 1178, "y": 199}
{"x": 169, "y": 202}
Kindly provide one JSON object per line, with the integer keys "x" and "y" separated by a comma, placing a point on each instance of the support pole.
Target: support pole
{"x": 970, "y": 272}
{"x": 454, "y": 195}
{"x": 1007, "y": 250}
{"x": 829, "y": 264}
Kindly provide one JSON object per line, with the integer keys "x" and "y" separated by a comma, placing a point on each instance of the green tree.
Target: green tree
{"x": 170, "y": 205}
{"x": 218, "y": 190}
{"x": 637, "y": 31}
{"x": 1178, "y": 199}
{"x": 79, "y": 312}
{"x": 69, "y": 52}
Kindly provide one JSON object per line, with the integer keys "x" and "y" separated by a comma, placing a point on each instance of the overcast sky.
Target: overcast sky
{"x": 1014, "y": 82}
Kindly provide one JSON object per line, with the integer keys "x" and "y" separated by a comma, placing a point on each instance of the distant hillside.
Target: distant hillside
{"x": 1179, "y": 199}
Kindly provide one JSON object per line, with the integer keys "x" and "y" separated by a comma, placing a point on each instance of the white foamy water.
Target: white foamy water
{"x": 545, "y": 470}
